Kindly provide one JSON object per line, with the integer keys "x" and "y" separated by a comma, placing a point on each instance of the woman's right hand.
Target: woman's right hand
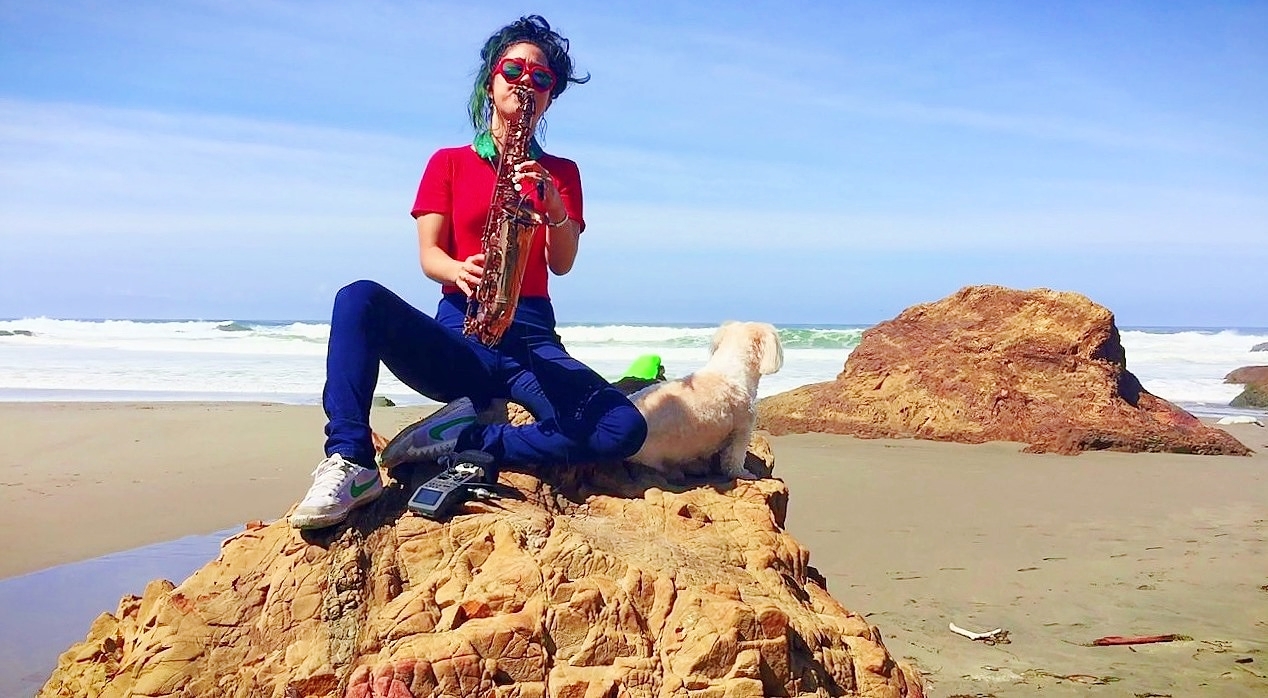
{"x": 469, "y": 273}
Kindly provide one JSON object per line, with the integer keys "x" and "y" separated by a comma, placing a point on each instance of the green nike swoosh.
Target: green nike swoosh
{"x": 437, "y": 432}
{"x": 359, "y": 489}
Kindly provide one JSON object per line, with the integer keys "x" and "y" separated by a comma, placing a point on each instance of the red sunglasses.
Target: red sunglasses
{"x": 513, "y": 69}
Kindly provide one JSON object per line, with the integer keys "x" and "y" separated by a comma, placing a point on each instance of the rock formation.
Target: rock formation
{"x": 1262, "y": 346}
{"x": 1255, "y": 380}
{"x": 607, "y": 581}
{"x": 988, "y": 363}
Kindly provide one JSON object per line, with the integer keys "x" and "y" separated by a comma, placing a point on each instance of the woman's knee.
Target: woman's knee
{"x": 358, "y": 294}
{"x": 614, "y": 427}
{"x": 629, "y": 435}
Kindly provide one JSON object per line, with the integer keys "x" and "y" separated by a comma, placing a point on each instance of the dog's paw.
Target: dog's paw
{"x": 742, "y": 475}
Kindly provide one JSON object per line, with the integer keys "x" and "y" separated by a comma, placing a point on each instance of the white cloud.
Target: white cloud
{"x": 1147, "y": 223}
{"x": 1144, "y": 132}
{"x": 73, "y": 170}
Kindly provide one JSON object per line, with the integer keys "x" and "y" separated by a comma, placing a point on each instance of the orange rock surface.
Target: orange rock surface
{"x": 1040, "y": 367}
{"x": 609, "y": 582}
{"x": 1248, "y": 375}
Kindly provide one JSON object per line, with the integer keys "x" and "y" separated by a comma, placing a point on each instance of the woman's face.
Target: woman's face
{"x": 504, "y": 99}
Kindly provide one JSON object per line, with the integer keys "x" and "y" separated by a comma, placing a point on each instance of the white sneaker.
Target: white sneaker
{"x": 430, "y": 438}
{"x": 338, "y": 488}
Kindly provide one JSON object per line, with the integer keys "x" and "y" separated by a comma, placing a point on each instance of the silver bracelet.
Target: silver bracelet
{"x": 565, "y": 219}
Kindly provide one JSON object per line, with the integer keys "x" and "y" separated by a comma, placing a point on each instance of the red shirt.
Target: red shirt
{"x": 459, "y": 184}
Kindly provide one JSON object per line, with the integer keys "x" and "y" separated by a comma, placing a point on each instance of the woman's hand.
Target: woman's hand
{"x": 469, "y": 273}
{"x": 561, "y": 232}
{"x": 530, "y": 173}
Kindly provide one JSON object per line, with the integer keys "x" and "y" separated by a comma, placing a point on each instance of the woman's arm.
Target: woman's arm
{"x": 561, "y": 244}
{"x": 563, "y": 237}
{"x": 436, "y": 262}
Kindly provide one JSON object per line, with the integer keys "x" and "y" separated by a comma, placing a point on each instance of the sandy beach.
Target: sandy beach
{"x": 1057, "y": 550}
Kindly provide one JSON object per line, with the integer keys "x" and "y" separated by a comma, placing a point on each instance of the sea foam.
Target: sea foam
{"x": 51, "y": 359}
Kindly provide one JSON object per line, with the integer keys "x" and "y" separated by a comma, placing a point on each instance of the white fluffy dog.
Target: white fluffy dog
{"x": 713, "y": 410}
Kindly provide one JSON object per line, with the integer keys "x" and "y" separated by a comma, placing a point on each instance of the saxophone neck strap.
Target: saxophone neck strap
{"x": 486, "y": 148}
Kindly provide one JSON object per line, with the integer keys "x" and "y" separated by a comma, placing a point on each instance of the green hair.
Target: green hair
{"x": 535, "y": 30}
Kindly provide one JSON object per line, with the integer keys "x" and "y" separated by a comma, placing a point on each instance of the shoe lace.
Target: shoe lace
{"x": 329, "y": 475}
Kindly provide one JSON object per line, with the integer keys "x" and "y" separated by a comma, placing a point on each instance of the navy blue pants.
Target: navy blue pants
{"x": 580, "y": 416}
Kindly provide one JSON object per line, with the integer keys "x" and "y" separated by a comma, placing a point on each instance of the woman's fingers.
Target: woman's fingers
{"x": 470, "y": 271}
{"x": 532, "y": 167}
{"x": 535, "y": 174}
{"x": 532, "y": 171}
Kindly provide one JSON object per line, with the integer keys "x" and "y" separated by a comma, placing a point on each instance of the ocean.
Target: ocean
{"x": 44, "y": 359}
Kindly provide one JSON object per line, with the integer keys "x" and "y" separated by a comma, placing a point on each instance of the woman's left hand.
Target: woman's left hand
{"x": 531, "y": 173}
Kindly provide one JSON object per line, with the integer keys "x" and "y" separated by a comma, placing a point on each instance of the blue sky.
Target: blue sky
{"x": 791, "y": 162}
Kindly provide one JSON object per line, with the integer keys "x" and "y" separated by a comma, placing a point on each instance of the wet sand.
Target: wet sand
{"x": 79, "y": 480}
{"x": 1057, "y": 550}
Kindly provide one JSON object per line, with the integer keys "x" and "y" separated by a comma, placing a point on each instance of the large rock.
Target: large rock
{"x": 1040, "y": 367}
{"x": 609, "y": 582}
{"x": 1255, "y": 380}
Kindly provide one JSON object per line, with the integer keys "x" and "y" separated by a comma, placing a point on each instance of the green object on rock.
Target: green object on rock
{"x": 646, "y": 367}
{"x": 645, "y": 371}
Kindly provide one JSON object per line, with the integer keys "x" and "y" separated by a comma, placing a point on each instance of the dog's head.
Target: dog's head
{"x": 761, "y": 338}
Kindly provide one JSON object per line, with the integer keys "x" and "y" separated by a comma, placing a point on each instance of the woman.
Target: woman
{"x": 580, "y": 417}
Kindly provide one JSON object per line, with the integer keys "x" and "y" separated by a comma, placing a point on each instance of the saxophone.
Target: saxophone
{"x": 507, "y": 237}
